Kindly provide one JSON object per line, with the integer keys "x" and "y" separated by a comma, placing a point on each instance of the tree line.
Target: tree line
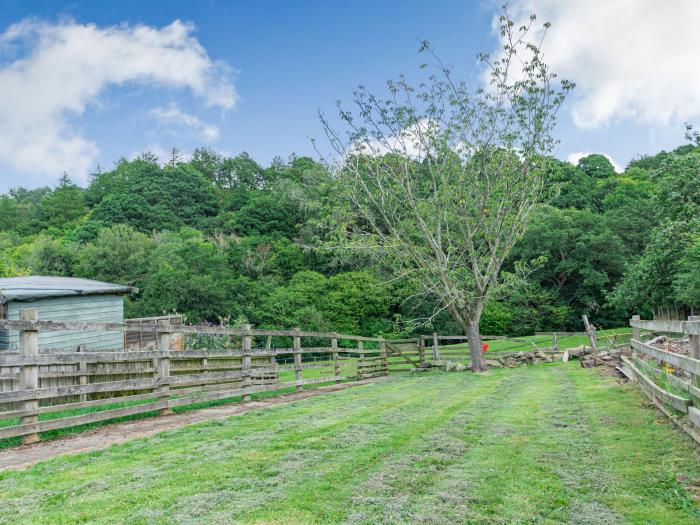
{"x": 224, "y": 239}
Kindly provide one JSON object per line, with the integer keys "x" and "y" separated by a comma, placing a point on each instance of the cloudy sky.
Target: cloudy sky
{"x": 85, "y": 83}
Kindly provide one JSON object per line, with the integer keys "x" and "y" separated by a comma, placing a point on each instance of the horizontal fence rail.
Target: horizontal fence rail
{"x": 669, "y": 379}
{"x": 168, "y": 364}
{"x": 166, "y": 328}
{"x": 55, "y": 389}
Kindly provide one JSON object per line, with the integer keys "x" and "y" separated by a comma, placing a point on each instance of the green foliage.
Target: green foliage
{"x": 240, "y": 172}
{"x": 267, "y": 213}
{"x": 686, "y": 282}
{"x": 596, "y": 166}
{"x": 584, "y": 257}
{"x": 10, "y": 266}
{"x": 576, "y": 187}
{"x": 678, "y": 195}
{"x": 63, "y": 207}
{"x": 221, "y": 238}
{"x": 119, "y": 254}
{"x": 186, "y": 274}
{"x": 626, "y": 210}
{"x": 12, "y": 214}
{"x": 665, "y": 276}
{"x": 46, "y": 255}
{"x": 149, "y": 198}
{"x": 351, "y": 302}
{"x": 357, "y": 302}
{"x": 496, "y": 319}
{"x": 648, "y": 284}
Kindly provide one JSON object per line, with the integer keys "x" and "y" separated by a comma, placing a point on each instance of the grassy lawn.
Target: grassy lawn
{"x": 546, "y": 444}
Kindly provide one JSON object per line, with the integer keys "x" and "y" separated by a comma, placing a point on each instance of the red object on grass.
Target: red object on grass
{"x": 484, "y": 346}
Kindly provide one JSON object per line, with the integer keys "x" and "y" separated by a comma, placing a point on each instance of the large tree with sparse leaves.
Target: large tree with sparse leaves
{"x": 439, "y": 180}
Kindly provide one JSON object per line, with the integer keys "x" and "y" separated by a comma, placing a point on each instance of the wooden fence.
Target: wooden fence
{"x": 671, "y": 380}
{"x": 97, "y": 386}
{"x": 55, "y": 389}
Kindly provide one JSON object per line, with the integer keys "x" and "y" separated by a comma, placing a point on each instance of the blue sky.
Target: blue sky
{"x": 262, "y": 69}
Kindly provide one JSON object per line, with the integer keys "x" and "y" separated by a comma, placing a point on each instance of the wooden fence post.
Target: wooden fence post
{"x": 695, "y": 354}
{"x": 361, "y": 360}
{"x": 636, "y": 332}
{"x": 336, "y": 357}
{"x": 382, "y": 355}
{"x": 590, "y": 329}
{"x": 297, "y": 360}
{"x": 555, "y": 342}
{"x": 436, "y": 347}
{"x": 421, "y": 352}
{"x": 246, "y": 361}
{"x": 29, "y": 373}
{"x": 82, "y": 367}
{"x": 163, "y": 368}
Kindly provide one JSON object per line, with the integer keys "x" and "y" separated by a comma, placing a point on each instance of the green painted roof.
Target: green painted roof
{"x": 36, "y": 287}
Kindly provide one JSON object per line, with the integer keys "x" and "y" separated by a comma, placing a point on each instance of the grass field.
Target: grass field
{"x": 565, "y": 341}
{"x": 545, "y": 444}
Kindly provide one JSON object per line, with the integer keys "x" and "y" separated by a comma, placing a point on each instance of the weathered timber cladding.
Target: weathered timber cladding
{"x": 91, "y": 308}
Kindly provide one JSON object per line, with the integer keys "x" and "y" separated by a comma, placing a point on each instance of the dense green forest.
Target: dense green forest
{"x": 227, "y": 240}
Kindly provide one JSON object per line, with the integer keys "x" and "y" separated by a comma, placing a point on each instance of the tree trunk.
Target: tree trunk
{"x": 475, "y": 351}
{"x": 469, "y": 321}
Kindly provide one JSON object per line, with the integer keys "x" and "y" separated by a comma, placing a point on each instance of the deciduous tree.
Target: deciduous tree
{"x": 440, "y": 180}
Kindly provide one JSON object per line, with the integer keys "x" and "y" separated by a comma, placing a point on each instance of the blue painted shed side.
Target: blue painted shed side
{"x": 96, "y": 308}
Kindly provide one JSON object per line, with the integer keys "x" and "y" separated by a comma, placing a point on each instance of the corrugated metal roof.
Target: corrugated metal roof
{"x": 39, "y": 287}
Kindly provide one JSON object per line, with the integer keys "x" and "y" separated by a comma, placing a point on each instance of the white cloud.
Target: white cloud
{"x": 576, "y": 156}
{"x": 57, "y": 70}
{"x": 630, "y": 59}
{"x": 412, "y": 141}
{"x": 172, "y": 115}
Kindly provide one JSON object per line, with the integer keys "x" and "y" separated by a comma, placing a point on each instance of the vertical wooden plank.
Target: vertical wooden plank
{"x": 590, "y": 329}
{"x": 140, "y": 336}
{"x": 555, "y": 342}
{"x": 382, "y": 355}
{"x": 82, "y": 367}
{"x": 336, "y": 358}
{"x": 204, "y": 366}
{"x": 421, "y": 352}
{"x": 695, "y": 354}
{"x": 163, "y": 344}
{"x": 29, "y": 374}
{"x": 297, "y": 360}
{"x": 247, "y": 344}
{"x": 361, "y": 361}
{"x": 436, "y": 347}
{"x": 636, "y": 332}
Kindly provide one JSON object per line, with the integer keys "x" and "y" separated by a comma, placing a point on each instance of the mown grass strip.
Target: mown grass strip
{"x": 544, "y": 444}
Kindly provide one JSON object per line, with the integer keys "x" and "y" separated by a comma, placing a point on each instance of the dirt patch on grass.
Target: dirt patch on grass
{"x": 102, "y": 437}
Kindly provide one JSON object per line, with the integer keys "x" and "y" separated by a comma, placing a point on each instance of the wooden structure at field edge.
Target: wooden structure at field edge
{"x": 102, "y": 385}
{"x": 685, "y": 401}
{"x": 161, "y": 378}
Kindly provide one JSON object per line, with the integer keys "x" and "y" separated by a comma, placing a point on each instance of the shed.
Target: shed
{"x": 64, "y": 299}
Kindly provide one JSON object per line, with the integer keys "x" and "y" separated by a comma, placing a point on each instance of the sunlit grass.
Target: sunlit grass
{"x": 547, "y": 444}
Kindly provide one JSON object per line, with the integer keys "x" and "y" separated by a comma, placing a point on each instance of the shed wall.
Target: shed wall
{"x": 95, "y": 308}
